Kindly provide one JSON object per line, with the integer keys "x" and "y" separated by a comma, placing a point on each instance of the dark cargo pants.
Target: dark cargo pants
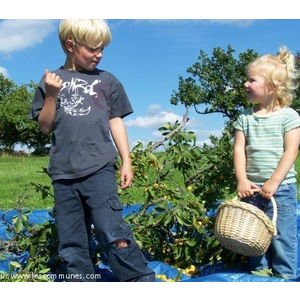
{"x": 94, "y": 198}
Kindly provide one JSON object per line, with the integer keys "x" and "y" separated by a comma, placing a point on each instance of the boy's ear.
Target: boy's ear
{"x": 69, "y": 45}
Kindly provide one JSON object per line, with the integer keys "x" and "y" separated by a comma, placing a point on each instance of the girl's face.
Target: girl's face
{"x": 255, "y": 87}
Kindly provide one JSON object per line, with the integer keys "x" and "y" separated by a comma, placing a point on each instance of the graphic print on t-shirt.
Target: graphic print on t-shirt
{"x": 72, "y": 96}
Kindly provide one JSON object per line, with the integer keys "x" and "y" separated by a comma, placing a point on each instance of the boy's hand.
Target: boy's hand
{"x": 245, "y": 188}
{"x": 53, "y": 84}
{"x": 126, "y": 177}
{"x": 269, "y": 188}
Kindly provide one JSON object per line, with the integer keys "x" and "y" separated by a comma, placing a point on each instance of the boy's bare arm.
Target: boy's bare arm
{"x": 53, "y": 84}
{"x": 291, "y": 145}
{"x": 119, "y": 134}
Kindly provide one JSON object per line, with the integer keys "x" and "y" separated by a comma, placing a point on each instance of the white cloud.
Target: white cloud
{"x": 201, "y": 143}
{"x": 17, "y": 35}
{"x": 208, "y": 133}
{"x": 154, "y": 109}
{"x": 4, "y": 72}
{"x": 155, "y": 118}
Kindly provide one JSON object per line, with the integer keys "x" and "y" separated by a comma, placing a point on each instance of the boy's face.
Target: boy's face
{"x": 84, "y": 58}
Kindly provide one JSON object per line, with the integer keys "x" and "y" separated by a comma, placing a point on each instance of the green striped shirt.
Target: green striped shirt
{"x": 265, "y": 142}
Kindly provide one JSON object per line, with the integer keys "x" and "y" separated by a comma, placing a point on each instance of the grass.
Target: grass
{"x": 16, "y": 176}
{"x": 18, "y": 173}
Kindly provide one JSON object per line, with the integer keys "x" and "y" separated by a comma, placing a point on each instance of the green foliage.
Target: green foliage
{"x": 39, "y": 240}
{"x": 175, "y": 223}
{"x": 15, "y": 127}
{"x": 296, "y": 103}
{"x": 6, "y": 86}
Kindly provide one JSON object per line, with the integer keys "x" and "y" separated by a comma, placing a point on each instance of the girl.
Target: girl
{"x": 266, "y": 147}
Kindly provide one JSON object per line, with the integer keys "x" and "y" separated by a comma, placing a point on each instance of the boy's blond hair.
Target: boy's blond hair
{"x": 280, "y": 74}
{"x": 93, "y": 33}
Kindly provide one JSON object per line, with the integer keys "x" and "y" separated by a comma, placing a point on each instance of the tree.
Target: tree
{"x": 6, "y": 86}
{"x": 296, "y": 103}
{"x": 15, "y": 127}
{"x": 216, "y": 84}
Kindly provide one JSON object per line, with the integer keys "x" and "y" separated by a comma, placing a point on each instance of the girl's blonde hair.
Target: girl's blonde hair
{"x": 93, "y": 33}
{"x": 280, "y": 74}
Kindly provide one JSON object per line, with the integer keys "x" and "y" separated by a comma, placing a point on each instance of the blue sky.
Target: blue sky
{"x": 147, "y": 56}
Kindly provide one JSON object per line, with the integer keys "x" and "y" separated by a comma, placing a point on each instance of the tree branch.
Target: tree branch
{"x": 185, "y": 119}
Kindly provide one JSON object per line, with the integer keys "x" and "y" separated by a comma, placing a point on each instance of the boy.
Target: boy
{"x": 80, "y": 104}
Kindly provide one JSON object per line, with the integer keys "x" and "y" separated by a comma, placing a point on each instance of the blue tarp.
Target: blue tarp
{"x": 208, "y": 273}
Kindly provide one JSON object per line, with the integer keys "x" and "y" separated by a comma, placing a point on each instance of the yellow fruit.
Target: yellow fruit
{"x": 162, "y": 277}
{"x": 152, "y": 163}
{"x": 205, "y": 220}
{"x": 155, "y": 186}
{"x": 179, "y": 242}
{"x": 153, "y": 159}
{"x": 191, "y": 270}
{"x": 139, "y": 244}
{"x": 189, "y": 188}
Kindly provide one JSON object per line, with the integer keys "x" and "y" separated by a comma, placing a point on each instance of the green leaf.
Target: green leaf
{"x": 32, "y": 251}
{"x": 264, "y": 272}
{"x": 3, "y": 257}
{"x": 15, "y": 264}
{"x": 44, "y": 271}
{"x": 18, "y": 225}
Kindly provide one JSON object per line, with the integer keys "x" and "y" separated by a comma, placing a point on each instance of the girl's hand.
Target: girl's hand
{"x": 268, "y": 189}
{"x": 245, "y": 188}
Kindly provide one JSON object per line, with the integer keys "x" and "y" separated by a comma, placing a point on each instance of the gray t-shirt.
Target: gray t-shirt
{"x": 81, "y": 142}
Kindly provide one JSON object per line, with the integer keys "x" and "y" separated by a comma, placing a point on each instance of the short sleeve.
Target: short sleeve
{"x": 292, "y": 120}
{"x": 238, "y": 125}
{"x": 38, "y": 101}
{"x": 119, "y": 102}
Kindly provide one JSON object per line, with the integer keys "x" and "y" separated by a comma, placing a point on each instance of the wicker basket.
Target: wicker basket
{"x": 243, "y": 228}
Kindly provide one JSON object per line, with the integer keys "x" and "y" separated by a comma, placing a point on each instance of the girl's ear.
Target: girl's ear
{"x": 272, "y": 88}
{"x": 69, "y": 45}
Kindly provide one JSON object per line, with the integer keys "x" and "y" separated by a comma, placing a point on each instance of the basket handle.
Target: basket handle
{"x": 274, "y": 219}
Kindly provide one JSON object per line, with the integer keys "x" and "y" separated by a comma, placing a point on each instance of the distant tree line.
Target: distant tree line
{"x": 15, "y": 127}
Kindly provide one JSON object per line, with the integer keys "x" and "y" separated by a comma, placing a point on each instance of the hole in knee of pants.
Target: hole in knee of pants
{"x": 121, "y": 243}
